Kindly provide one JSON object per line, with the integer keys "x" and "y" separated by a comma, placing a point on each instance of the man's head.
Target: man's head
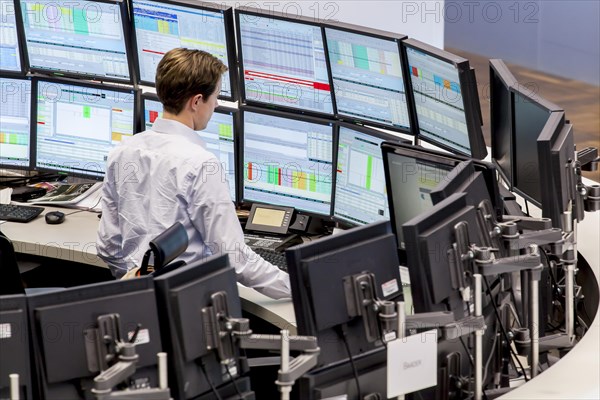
{"x": 189, "y": 80}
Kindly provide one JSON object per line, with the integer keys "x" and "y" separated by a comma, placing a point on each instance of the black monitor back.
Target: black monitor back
{"x": 429, "y": 242}
{"x": 317, "y": 271}
{"x": 59, "y": 321}
{"x": 182, "y": 294}
{"x": 14, "y": 346}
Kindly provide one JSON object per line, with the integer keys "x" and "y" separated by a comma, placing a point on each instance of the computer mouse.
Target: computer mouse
{"x": 55, "y": 217}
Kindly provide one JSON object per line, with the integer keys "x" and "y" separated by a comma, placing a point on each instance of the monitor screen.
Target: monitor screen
{"x": 78, "y": 124}
{"x": 501, "y": 82}
{"x": 10, "y": 52}
{"x": 446, "y": 110}
{"x": 15, "y": 122}
{"x": 287, "y": 161}
{"x": 184, "y": 295}
{"x": 219, "y": 135}
{"x": 322, "y": 277}
{"x": 368, "y": 83}
{"x": 82, "y": 39}
{"x": 411, "y": 174}
{"x": 14, "y": 346}
{"x": 282, "y": 62}
{"x": 164, "y": 25}
{"x": 66, "y": 334}
{"x": 359, "y": 195}
{"x": 530, "y": 115}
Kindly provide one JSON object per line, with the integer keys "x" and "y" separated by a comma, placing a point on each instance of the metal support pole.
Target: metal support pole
{"x": 14, "y": 386}
{"x": 285, "y": 363}
{"x": 478, "y": 339}
{"x": 533, "y": 325}
{"x": 401, "y": 331}
{"x": 162, "y": 371}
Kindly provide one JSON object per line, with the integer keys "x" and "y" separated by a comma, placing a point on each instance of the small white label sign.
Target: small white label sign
{"x": 143, "y": 336}
{"x": 412, "y": 363}
{"x": 5, "y": 331}
{"x": 390, "y": 287}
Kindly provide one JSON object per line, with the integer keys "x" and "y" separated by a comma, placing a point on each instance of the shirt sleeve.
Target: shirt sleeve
{"x": 213, "y": 214}
{"x": 108, "y": 242}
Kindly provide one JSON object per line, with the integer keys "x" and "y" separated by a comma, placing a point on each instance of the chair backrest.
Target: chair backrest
{"x": 11, "y": 282}
{"x": 166, "y": 247}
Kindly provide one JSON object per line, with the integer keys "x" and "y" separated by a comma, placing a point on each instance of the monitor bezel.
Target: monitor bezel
{"x": 499, "y": 69}
{"x": 125, "y": 22}
{"x": 545, "y": 105}
{"x": 229, "y": 39}
{"x": 246, "y": 203}
{"x": 387, "y": 137}
{"x": 397, "y": 38}
{"x": 468, "y": 91}
{"x": 221, "y": 110}
{"x": 315, "y": 22}
{"x": 32, "y": 117}
{"x": 68, "y": 81}
{"x": 20, "y": 43}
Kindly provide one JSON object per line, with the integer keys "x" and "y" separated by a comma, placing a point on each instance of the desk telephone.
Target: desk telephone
{"x": 278, "y": 220}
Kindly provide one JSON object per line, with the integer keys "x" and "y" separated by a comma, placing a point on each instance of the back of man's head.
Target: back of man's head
{"x": 183, "y": 73}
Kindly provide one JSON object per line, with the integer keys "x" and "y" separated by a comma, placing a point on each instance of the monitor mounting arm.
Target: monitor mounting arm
{"x": 105, "y": 346}
{"x": 226, "y": 334}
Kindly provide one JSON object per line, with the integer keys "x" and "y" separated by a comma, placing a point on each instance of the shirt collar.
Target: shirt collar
{"x": 173, "y": 127}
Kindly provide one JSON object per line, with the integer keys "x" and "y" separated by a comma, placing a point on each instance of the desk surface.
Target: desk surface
{"x": 575, "y": 376}
{"x": 75, "y": 240}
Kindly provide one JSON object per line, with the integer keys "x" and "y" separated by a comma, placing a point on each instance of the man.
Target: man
{"x": 166, "y": 174}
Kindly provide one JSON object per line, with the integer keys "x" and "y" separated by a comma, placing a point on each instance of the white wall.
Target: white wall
{"x": 421, "y": 20}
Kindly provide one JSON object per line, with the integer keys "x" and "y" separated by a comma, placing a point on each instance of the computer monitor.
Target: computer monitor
{"x": 77, "y": 124}
{"x": 14, "y": 346}
{"x": 556, "y": 153}
{"x": 359, "y": 191}
{"x": 81, "y": 39}
{"x": 368, "y": 76}
{"x": 69, "y": 341}
{"x": 321, "y": 278}
{"x": 429, "y": 239}
{"x": 463, "y": 179}
{"x": 411, "y": 173}
{"x": 15, "y": 122}
{"x": 531, "y": 113}
{"x": 184, "y": 296}
{"x": 287, "y": 160}
{"x": 220, "y": 135}
{"x": 445, "y": 97}
{"x": 501, "y": 126}
{"x": 338, "y": 381}
{"x": 11, "y": 59}
{"x": 160, "y": 26}
{"x": 282, "y": 61}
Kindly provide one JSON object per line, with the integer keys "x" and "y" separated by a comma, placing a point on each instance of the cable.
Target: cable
{"x": 237, "y": 390}
{"x": 342, "y": 333}
{"x": 212, "y": 387}
{"x": 515, "y": 357}
{"x": 527, "y": 208}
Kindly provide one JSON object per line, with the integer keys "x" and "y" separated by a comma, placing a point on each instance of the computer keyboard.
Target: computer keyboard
{"x": 19, "y": 213}
{"x": 274, "y": 257}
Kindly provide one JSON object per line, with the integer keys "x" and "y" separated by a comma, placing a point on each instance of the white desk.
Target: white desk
{"x": 576, "y": 376}
{"x": 75, "y": 240}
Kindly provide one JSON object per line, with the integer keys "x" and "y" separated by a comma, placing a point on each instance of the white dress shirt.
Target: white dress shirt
{"x": 164, "y": 175}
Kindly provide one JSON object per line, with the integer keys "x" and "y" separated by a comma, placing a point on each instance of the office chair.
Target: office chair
{"x": 165, "y": 248}
{"x": 11, "y": 282}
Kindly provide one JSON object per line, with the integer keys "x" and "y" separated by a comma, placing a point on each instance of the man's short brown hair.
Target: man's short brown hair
{"x": 183, "y": 73}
